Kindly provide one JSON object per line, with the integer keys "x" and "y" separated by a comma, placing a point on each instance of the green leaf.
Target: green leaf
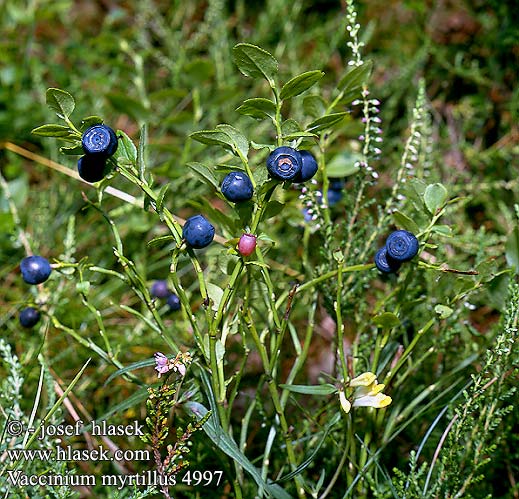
{"x": 90, "y": 121}
{"x": 126, "y": 148}
{"x": 226, "y": 136}
{"x": 354, "y": 79}
{"x": 215, "y": 295}
{"x": 255, "y": 62}
{"x": 325, "y": 122}
{"x": 208, "y": 208}
{"x": 444, "y": 230}
{"x": 386, "y": 320}
{"x": 512, "y": 249}
{"x": 58, "y": 131}
{"x": 212, "y": 138}
{"x": 402, "y": 220}
{"x": 238, "y": 141}
{"x": 325, "y": 389}
{"x": 434, "y": 197}
{"x": 129, "y": 368}
{"x": 273, "y": 208}
{"x": 6, "y": 223}
{"x": 226, "y": 444}
{"x": 204, "y": 173}
{"x": 244, "y": 210}
{"x": 298, "y": 135}
{"x": 290, "y": 127}
{"x": 258, "y": 108}
{"x": 61, "y": 102}
{"x": 160, "y": 240}
{"x": 160, "y": 197}
{"x": 342, "y": 165}
{"x": 314, "y": 105}
{"x": 443, "y": 311}
{"x": 76, "y": 150}
{"x": 300, "y": 84}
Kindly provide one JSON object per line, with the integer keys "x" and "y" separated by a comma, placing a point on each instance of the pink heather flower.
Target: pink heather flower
{"x": 162, "y": 363}
{"x": 178, "y": 364}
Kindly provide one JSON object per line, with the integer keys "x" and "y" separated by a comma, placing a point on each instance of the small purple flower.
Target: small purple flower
{"x": 162, "y": 363}
{"x": 178, "y": 364}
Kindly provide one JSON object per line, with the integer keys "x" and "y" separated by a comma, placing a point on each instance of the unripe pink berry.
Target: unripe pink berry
{"x": 247, "y": 244}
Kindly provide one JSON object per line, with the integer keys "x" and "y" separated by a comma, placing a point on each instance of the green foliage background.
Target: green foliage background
{"x": 169, "y": 65}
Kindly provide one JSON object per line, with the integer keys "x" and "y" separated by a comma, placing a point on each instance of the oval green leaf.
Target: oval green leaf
{"x": 434, "y": 197}
{"x": 300, "y": 84}
{"x": 342, "y": 165}
{"x": 255, "y": 62}
{"x": 204, "y": 173}
{"x": 402, "y": 220}
{"x": 258, "y": 108}
{"x": 386, "y": 320}
{"x": 60, "y": 101}
{"x": 57, "y": 131}
{"x": 325, "y": 122}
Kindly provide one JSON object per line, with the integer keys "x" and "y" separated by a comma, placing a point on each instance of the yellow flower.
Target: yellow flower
{"x": 345, "y": 403}
{"x": 368, "y": 393}
{"x": 364, "y": 379}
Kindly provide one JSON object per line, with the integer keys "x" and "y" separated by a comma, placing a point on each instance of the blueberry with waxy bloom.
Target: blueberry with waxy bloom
{"x": 284, "y": 163}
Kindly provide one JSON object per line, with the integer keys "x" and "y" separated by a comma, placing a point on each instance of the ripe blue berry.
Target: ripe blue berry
{"x": 336, "y": 184}
{"x": 35, "y": 269}
{"x": 159, "y": 289}
{"x": 91, "y": 167}
{"x": 284, "y": 163}
{"x": 100, "y": 140}
{"x": 402, "y": 246}
{"x": 334, "y": 197}
{"x": 173, "y": 302}
{"x": 308, "y": 167}
{"x": 384, "y": 262}
{"x": 198, "y": 232}
{"x": 306, "y": 215}
{"x": 29, "y": 317}
{"x": 236, "y": 187}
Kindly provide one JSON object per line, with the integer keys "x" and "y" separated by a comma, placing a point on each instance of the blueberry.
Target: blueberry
{"x": 99, "y": 140}
{"x": 159, "y": 289}
{"x": 198, "y": 232}
{"x": 284, "y": 163}
{"x": 35, "y": 269}
{"x": 385, "y": 263}
{"x": 29, "y": 317}
{"x": 334, "y": 197}
{"x": 336, "y": 184}
{"x": 173, "y": 302}
{"x": 91, "y": 167}
{"x": 308, "y": 167}
{"x": 402, "y": 246}
{"x": 247, "y": 244}
{"x": 308, "y": 217}
{"x": 236, "y": 187}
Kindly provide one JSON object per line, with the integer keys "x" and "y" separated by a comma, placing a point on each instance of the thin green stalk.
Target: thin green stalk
{"x": 301, "y": 359}
{"x": 273, "y": 390}
{"x": 390, "y": 375}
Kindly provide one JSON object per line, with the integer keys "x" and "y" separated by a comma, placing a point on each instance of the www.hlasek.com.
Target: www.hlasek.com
{"x": 18, "y": 478}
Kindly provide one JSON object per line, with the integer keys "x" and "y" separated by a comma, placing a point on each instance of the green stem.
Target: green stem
{"x": 274, "y": 394}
